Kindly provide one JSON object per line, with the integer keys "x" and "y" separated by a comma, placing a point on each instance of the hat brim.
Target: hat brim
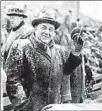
{"x": 38, "y": 21}
{"x": 20, "y": 15}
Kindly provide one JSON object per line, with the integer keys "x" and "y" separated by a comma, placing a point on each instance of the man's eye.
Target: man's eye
{"x": 50, "y": 29}
{"x": 43, "y": 28}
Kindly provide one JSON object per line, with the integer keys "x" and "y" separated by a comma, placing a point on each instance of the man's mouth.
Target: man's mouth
{"x": 46, "y": 36}
{"x": 12, "y": 22}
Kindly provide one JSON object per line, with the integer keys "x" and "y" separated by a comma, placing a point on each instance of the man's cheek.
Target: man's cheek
{"x": 54, "y": 34}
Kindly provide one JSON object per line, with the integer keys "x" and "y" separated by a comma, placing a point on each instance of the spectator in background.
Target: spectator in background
{"x": 73, "y": 25}
{"x": 88, "y": 77}
{"x": 62, "y": 35}
{"x": 68, "y": 21}
{"x": 79, "y": 22}
{"x": 19, "y": 29}
{"x": 30, "y": 14}
{"x": 99, "y": 35}
{"x": 5, "y": 24}
{"x": 94, "y": 63}
{"x": 76, "y": 78}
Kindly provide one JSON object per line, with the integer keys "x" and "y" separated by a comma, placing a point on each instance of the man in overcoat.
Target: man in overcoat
{"x": 35, "y": 69}
{"x": 19, "y": 29}
{"x": 77, "y": 78}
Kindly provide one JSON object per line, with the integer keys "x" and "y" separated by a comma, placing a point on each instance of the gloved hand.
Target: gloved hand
{"x": 78, "y": 45}
{"x": 78, "y": 36}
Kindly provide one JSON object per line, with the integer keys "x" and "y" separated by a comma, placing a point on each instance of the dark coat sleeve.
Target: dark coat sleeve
{"x": 71, "y": 63}
{"x": 65, "y": 89}
{"x": 14, "y": 70}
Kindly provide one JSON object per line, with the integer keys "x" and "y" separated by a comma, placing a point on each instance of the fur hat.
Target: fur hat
{"x": 46, "y": 15}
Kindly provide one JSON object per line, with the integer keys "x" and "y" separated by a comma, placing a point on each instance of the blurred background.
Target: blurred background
{"x": 88, "y": 11}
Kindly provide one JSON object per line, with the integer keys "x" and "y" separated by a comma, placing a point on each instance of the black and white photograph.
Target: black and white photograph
{"x": 51, "y": 55}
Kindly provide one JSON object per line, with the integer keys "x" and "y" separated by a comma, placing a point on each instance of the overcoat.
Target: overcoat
{"x": 22, "y": 31}
{"x": 35, "y": 77}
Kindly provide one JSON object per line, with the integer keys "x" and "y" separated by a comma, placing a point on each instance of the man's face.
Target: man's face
{"x": 45, "y": 32}
{"x": 15, "y": 21}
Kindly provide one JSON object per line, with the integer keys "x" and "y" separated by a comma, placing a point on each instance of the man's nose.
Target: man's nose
{"x": 11, "y": 21}
{"x": 46, "y": 31}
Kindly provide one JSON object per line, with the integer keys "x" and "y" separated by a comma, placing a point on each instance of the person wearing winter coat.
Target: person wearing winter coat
{"x": 77, "y": 77}
{"x": 35, "y": 67}
{"x": 19, "y": 30}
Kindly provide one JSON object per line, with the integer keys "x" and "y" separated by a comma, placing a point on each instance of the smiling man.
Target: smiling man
{"x": 45, "y": 32}
{"x": 35, "y": 69}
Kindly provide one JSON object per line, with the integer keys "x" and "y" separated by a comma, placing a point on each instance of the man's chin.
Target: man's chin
{"x": 45, "y": 41}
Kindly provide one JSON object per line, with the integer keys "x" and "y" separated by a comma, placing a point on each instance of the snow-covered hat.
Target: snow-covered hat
{"x": 15, "y": 10}
{"x": 46, "y": 15}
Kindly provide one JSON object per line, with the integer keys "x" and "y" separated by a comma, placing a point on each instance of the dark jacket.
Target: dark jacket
{"x": 77, "y": 84}
{"x": 35, "y": 78}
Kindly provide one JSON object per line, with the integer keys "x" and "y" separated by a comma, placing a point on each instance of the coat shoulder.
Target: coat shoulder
{"x": 24, "y": 32}
{"x": 28, "y": 29}
{"x": 20, "y": 43}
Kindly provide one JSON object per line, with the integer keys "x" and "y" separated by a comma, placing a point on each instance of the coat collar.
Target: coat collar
{"x": 20, "y": 25}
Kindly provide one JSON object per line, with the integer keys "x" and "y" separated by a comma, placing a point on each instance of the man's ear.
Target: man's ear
{"x": 55, "y": 33}
{"x": 35, "y": 27}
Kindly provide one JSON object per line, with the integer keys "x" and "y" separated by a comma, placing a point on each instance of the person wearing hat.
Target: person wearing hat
{"x": 79, "y": 75}
{"x": 19, "y": 30}
{"x": 35, "y": 69}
